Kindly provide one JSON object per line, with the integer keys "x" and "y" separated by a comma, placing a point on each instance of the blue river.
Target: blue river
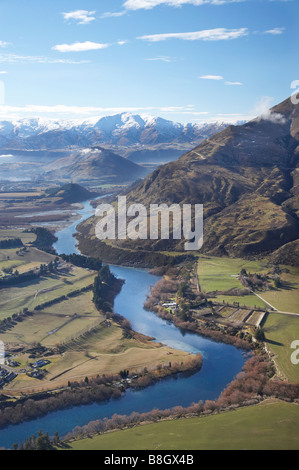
{"x": 221, "y": 362}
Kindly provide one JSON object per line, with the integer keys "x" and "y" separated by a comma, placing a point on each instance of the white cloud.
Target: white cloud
{"x": 233, "y": 83}
{"x": 122, "y": 43}
{"x": 13, "y": 58}
{"x": 162, "y": 59}
{"x": 263, "y": 112}
{"x": 4, "y": 44}
{"x": 116, "y": 14}
{"x": 149, "y": 4}
{"x": 275, "y": 31}
{"x": 81, "y": 16}
{"x": 2, "y": 72}
{"x": 276, "y": 118}
{"x": 211, "y": 77}
{"x": 79, "y": 47}
{"x": 218, "y": 34}
{"x": 262, "y": 105}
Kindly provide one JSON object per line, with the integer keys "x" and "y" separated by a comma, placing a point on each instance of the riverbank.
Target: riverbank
{"x": 254, "y": 385}
{"x": 256, "y": 427}
{"x": 90, "y": 390}
{"x": 176, "y": 298}
{"x": 89, "y": 245}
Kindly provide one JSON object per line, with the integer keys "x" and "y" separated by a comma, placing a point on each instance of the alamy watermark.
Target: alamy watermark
{"x": 136, "y": 222}
{"x": 2, "y": 353}
{"x": 295, "y": 354}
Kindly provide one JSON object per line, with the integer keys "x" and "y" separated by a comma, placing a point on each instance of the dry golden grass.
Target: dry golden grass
{"x": 107, "y": 352}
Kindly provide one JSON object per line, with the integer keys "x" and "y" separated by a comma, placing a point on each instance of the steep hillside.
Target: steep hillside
{"x": 246, "y": 177}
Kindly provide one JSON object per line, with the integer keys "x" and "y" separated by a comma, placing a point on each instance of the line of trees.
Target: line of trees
{"x": 62, "y": 298}
{"x": 11, "y": 243}
{"x": 10, "y": 322}
{"x": 89, "y": 390}
{"x": 78, "y": 393}
{"x": 83, "y": 261}
{"x": 250, "y": 387}
{"x": 18, "y": 278}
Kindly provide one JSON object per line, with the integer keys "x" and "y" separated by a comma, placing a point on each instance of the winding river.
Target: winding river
{"x": 221, "y": 362}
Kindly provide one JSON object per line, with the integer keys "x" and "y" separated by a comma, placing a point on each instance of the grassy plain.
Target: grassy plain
{"x": 91, "y": 346}
{"x": 286, "y": 298}
{"x": 281, "y": 330}
{"x": 17, "y": 233}
{"x": 267, "y": 426}
{"x": 56, "y": 324}
{"x": 25, "y": 261}
{"x": 101, "y": 351}
{"x": 31, "y": 294}
{"x": 220, "y": 274}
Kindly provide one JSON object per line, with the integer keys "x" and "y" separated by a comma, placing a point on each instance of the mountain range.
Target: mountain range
{"x": 125, "y": 130}
{"x": 247, "y": 178}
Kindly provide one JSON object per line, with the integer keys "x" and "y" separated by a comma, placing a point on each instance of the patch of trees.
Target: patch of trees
{"x": 123, "y": 322}
{"x": 231, "y": 335}
{"x": 255, "y": 282}
{"x": 160, "y": 292}
{"x": 11, "y": 243}
{"x": 83, "y": 261}
{"x": 105, "y": 287}
{"x": 259, "y": 334}
{"x": 40, "y": 442}
{"x": 18, "y": 278}
{"x": 150, "y": 377}
{"x": 44, "y": 239}
{"x": 182, "y": 317}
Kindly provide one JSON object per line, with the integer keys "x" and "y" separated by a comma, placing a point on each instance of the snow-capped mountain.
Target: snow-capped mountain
{"x": 119, "y": 130}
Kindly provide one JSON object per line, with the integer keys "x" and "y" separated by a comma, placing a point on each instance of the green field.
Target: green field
{"x": 286, "y": 298}
{"x": 219, "y": 274}
{"x": 227, "y": 266}
{"x": 218, "y": 282}
{"x": 281, "y": 330}
{"x": 267, "y": 426}
{"x": 248, "y": 300}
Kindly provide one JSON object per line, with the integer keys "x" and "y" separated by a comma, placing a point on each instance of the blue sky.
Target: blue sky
{"x": 184, "y": 60}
